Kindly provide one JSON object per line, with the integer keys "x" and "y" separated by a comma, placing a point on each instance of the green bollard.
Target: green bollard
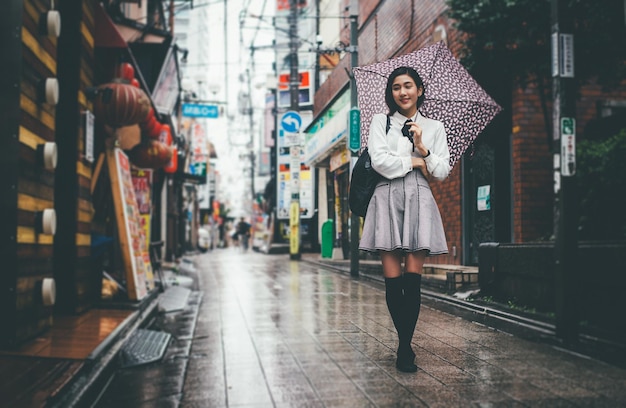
{"x": 327, "y": 239}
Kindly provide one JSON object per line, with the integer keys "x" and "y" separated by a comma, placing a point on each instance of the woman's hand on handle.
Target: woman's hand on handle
{"x": 416, "y": 130}
{"x": 419, "y": 163}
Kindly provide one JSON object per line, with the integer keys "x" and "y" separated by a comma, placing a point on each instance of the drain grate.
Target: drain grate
{"x": 144, "y": 346}
{"x": 174, "y": 298}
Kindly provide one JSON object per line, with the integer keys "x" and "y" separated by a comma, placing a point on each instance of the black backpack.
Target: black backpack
{"x": 363, "y": 181}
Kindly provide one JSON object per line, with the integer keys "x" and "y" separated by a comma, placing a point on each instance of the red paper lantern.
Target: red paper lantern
{"x": 152, "y": 128}
{"x": 172, "y": 166}
{"x": 149, "y": 116}
{"x": 134, "y": 82}
{"x": 121, "y": 104}
{"x": 125, "y": 71}
{"x": 155, "y": 132}
{"x": 150, "y": 154}
{"x": 165, "y": 136}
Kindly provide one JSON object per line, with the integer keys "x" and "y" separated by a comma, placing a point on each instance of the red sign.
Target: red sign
{"x": 283, "y": 80}
{"x": 284, "y": 4}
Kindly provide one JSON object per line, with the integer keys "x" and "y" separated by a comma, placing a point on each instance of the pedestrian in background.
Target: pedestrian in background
{"x": 403, "y": 223}
{"x": 243, "y": 231}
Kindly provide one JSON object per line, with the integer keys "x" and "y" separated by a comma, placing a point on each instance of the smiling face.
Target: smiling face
{"x": 405, "y": 94}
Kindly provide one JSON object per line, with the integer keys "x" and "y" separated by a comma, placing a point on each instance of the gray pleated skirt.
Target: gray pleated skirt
{"x": 403, "y": 214}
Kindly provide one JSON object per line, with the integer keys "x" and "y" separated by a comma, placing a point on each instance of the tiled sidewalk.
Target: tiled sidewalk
{"x": 276, "y": 333}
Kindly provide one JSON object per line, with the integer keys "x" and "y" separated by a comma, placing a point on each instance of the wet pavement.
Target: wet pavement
{"x": 263, "y": 331}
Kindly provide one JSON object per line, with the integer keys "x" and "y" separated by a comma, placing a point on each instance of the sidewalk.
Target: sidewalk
{"x": 276, "y": 333}
{"x": 262, "y": 331}
{"x": 457, "y": 296}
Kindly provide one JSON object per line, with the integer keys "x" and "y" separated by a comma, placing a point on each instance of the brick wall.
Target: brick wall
{"x": 391, "y": 28}
{"x": 533, "y": 194}
{"x": 532, "y": 168}
{"x": 388, "y": 29}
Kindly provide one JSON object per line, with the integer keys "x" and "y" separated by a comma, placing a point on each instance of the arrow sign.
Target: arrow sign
{"x": 291, "y": 122}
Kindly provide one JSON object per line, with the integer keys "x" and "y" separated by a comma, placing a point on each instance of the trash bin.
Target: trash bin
{"x": 327, "y": 239}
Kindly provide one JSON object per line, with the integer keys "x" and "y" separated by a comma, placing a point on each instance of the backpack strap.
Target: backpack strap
{"x": 388, "y": 124}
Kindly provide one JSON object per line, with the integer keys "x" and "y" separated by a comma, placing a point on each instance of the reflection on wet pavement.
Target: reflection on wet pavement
{"x": 275, "y": 332}
{"x": 264, "y": 331}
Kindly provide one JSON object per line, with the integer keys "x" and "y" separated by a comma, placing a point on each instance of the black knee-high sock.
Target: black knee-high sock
{"x": 412, "y": 304}
{"x": 395, "y": 303}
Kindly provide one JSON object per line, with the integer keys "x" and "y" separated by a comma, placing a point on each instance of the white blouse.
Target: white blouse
{"x": 391, "y": 152}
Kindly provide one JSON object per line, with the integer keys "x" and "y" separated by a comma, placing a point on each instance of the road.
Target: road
{"x": 263, "y": 331}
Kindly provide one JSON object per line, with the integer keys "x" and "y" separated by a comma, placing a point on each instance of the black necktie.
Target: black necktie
{"x": 407, "y": 133}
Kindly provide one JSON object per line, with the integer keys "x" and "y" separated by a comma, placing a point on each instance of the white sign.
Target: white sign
{"x": 567, "y": 55}
{"x": 555, "y": 54}
{"x": 568, "y": 146}
{"x": 89, "y": 120}
{"x": 483, "y": 198}
{"x": 306, "y": 175}
{"x": 294, "y": 166}
{"x": 568, "y": 155}
{"x": 292, "y": 139}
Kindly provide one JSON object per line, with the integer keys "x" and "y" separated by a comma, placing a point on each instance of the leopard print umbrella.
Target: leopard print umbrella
{"x": 453, "y": 97}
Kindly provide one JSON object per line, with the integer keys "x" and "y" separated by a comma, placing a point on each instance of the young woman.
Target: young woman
{"x": 403, "y": 222}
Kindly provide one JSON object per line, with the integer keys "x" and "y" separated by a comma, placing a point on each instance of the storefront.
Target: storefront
{"x": 325, "y": 148}
{"x": 138, "y": 185}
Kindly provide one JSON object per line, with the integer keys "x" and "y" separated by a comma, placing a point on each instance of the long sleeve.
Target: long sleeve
{"x": 389, "y": 154}
{"x": 438, "y": 162}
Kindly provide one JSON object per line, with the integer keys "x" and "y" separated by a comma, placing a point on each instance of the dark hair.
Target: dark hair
{"x": 391, "y": 103}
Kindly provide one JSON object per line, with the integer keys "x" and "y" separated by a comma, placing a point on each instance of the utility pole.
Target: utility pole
{"x": 564, "y": 158}
{"x": 171, "y": 17}
{"x": 251, "y": 155}
{"x": 227, "y": 80}
{"x": 294, "y": 83}
{"x": 355, "y": 133}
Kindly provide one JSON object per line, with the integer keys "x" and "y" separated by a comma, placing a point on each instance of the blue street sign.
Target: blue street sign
{"x": 196, "y": 110}
{"x": 291, "y": 122}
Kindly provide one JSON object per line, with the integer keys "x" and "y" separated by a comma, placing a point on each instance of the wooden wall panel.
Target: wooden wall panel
{"x": 88, "y": 276}
{"x": 73, "y": 265}
{"x": 34, "y": 185}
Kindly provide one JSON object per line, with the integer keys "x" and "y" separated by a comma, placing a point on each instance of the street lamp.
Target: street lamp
{"x": 214, "y": 88}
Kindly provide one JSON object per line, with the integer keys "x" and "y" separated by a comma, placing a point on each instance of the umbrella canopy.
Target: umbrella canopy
{"x": 452, "y": 96}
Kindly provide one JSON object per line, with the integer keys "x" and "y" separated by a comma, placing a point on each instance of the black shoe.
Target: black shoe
{"x": 406, "y": 362}
{"x": 405, "y": 365}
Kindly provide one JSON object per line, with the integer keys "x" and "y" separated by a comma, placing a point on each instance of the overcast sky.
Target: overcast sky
{"x": 229, "y": 61}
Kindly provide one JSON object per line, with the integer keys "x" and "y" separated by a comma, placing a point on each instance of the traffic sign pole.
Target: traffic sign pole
{"x": 567, "y": 274}
{"x": 294, "y": 83}
{"x": 355, "y": 135}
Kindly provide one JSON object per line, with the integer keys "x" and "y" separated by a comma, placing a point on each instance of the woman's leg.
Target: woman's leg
{"x": 392, "y": 270}
{"x": 392, "y": 263}
{"x": 412, "y": 286}
{"x": 394, "y": 295}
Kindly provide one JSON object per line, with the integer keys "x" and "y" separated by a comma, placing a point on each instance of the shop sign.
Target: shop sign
{"x": 305, "y": 90}
{"x": 166, "y": 89}
{"x": 338, "y": 159}
{"x": 196, "y": 110}
{"x": 354, "y": 124}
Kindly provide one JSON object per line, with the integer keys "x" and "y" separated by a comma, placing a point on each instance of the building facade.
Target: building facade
{"x": 512, "y": 158}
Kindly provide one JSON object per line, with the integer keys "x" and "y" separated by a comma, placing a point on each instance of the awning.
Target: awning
{"x": 107, "y": 34}
{"x": 122, "y": 31}
{"x": 167, "y": 87}
{"x": 328, "y": 139}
